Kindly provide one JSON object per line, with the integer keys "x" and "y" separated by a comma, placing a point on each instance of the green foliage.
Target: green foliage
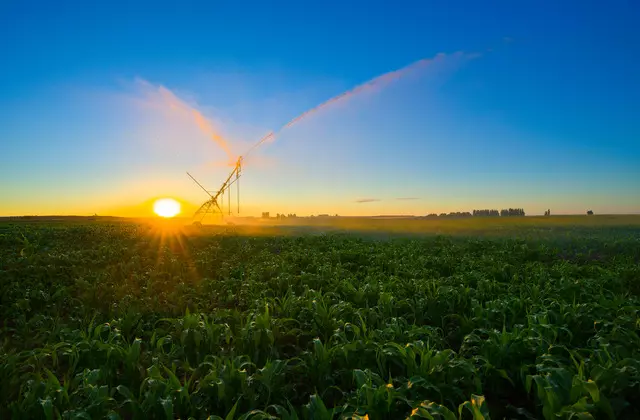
{"x": 123, "y": 321}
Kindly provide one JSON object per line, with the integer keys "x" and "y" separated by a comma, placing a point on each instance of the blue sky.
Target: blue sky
{"x": 536, "y": 112}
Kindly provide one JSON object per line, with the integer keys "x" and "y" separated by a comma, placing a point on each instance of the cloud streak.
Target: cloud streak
{"x": 367, "y": 200}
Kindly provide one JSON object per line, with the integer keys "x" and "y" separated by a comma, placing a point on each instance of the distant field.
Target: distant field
{"x": 318, "y": 318}
{"x": 553, "y": 226}
{"x": 519, "y": 226}
{"x": 556, "y": 228}
{"x": 579, "y": 220}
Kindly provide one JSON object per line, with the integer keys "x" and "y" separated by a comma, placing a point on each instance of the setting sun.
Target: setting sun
{"x": 166, "y": 207}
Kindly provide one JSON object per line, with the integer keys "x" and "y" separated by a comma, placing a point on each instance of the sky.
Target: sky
{"x": 104, "y": 106}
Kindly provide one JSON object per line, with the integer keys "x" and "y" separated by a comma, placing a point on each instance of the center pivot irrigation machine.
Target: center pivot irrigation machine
{"x": 215, "y": 202}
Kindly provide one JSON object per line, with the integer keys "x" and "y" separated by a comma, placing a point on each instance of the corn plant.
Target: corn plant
{"x": 124, "y": 321}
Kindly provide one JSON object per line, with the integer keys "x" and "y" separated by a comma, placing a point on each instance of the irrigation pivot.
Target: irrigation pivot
{"x": 215, "y": 202}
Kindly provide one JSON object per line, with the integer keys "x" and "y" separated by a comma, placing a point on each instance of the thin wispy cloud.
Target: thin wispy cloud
{"x": 408, "y": 198}
{"x": 367, "y": 200}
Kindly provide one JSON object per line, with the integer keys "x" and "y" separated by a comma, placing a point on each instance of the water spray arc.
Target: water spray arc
{"x": 378, "y": 81}
{"x": 213, "y": 205}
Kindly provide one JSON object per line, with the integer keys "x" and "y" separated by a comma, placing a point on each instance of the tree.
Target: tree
{"x": 512, "y": 212}
{"x": 486, "y": 212}
{"x": 589, "y": 212}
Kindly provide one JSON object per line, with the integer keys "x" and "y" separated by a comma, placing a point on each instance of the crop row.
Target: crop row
{"x": 123, "y": 321}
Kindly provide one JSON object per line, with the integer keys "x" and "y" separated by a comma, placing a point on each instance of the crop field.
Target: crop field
{"x": 466, "y": 320}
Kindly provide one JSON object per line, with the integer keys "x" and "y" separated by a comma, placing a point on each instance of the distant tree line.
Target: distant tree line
{"x": 479, "y": 213}
{"x": 285, "y": 216}
{"x": 452, "y": 215}
{"x": 512, "y": 212}
{"x": 486, "y": 213}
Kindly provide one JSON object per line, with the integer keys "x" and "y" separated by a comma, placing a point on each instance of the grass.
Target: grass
{"x": 518, "y": 318}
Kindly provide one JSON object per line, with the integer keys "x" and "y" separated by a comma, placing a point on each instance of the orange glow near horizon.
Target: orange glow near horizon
{"x": 166, "y": 207}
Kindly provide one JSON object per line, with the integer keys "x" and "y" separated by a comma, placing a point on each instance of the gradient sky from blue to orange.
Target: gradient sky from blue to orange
{"x": 538, "y": 113}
